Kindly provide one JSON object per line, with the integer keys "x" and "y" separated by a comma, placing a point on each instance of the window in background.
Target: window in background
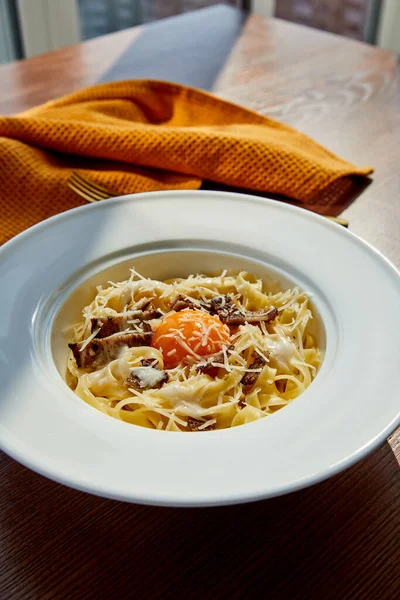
{"x": 10, "y": 43}
{"x": 344, "y": 17}
{"x": 30, "y": 27}
{"x": 158, "y": 9}
{"x": 99, "y": 17}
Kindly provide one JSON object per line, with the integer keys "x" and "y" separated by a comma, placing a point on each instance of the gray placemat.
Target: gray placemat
{"x": 190, "y": 49}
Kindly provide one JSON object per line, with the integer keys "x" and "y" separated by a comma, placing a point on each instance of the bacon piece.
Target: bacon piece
{"x": 194, "y": 425}
{"x": 208, "y": 367}
{"x": 230, "y": 314}
{"x": 117, "y": 323}
{"x": 240, "y": 318}
{"x": 182, "y": 302}
{"x": 148, "y": 376}
{"x": 249, "y": 379}
{"x": 225, "y": 309}
{"x": 100, "y": 352}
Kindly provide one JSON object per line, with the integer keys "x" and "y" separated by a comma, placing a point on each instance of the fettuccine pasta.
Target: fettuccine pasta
{"x": 192, "y": 354}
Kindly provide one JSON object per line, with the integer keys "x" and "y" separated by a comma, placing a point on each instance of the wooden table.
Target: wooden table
{"x": 339, "y": 539}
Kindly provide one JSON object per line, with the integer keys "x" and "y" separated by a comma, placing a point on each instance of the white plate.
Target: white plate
{"x": 350, "y": 408}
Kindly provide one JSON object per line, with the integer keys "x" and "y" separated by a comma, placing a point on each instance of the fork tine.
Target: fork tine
{"x": 82, "y": 193}
{"x": 89, "y": 184}
{"x": 93, "y": 194}
{"x": 89, "y": 190}
{"x": 85, "y": 185}
{"x": 339, "y": 220}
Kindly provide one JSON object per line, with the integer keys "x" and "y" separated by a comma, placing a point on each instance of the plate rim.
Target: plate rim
{"x": 241, "y": 497}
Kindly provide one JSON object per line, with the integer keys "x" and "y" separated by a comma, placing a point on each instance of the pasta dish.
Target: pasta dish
{"x": 192, "y": 354}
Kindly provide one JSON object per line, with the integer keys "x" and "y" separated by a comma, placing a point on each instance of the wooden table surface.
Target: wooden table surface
{"x": 339, "y": 539}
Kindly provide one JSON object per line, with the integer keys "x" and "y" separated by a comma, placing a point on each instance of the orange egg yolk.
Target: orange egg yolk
{"x": 186, "y": 335}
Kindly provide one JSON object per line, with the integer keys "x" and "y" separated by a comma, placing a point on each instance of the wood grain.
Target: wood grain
{"x": 337, "y": 540}
{"x": 342, "y": 93}
{"x": 36, "y": 80}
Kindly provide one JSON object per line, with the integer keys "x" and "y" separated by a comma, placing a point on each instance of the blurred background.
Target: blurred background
{"x": 30, "y": 27}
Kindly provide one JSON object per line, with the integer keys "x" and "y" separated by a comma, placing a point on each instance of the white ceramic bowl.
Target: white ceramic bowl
{"x": 348, "y": 410}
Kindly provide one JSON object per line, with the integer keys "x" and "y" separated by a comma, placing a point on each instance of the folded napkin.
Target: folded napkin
{"x": 140, "y": 136}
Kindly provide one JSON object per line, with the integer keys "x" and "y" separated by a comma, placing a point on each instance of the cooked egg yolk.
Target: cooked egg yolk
{"x": 186, "y": 335}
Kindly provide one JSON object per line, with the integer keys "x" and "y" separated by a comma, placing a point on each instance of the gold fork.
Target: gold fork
{"x": 87, "y": 189}
{"x": 92, "y": 192}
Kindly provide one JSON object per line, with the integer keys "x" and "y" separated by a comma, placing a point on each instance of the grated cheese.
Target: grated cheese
{"x": 89, "y": 339}
{"x": 187, "y": 348}
{"x": 189, "y": 392}
{"x": 226, "y": 359}
{"x": 207, "y": 424}
{"x": 263, "y": 356}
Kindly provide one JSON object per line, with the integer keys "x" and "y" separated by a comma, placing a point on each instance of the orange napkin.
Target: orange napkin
{"x": 140, "y": 136}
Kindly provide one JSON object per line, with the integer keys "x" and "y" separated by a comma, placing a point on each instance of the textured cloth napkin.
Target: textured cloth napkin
{"x": 140, "y": 136}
